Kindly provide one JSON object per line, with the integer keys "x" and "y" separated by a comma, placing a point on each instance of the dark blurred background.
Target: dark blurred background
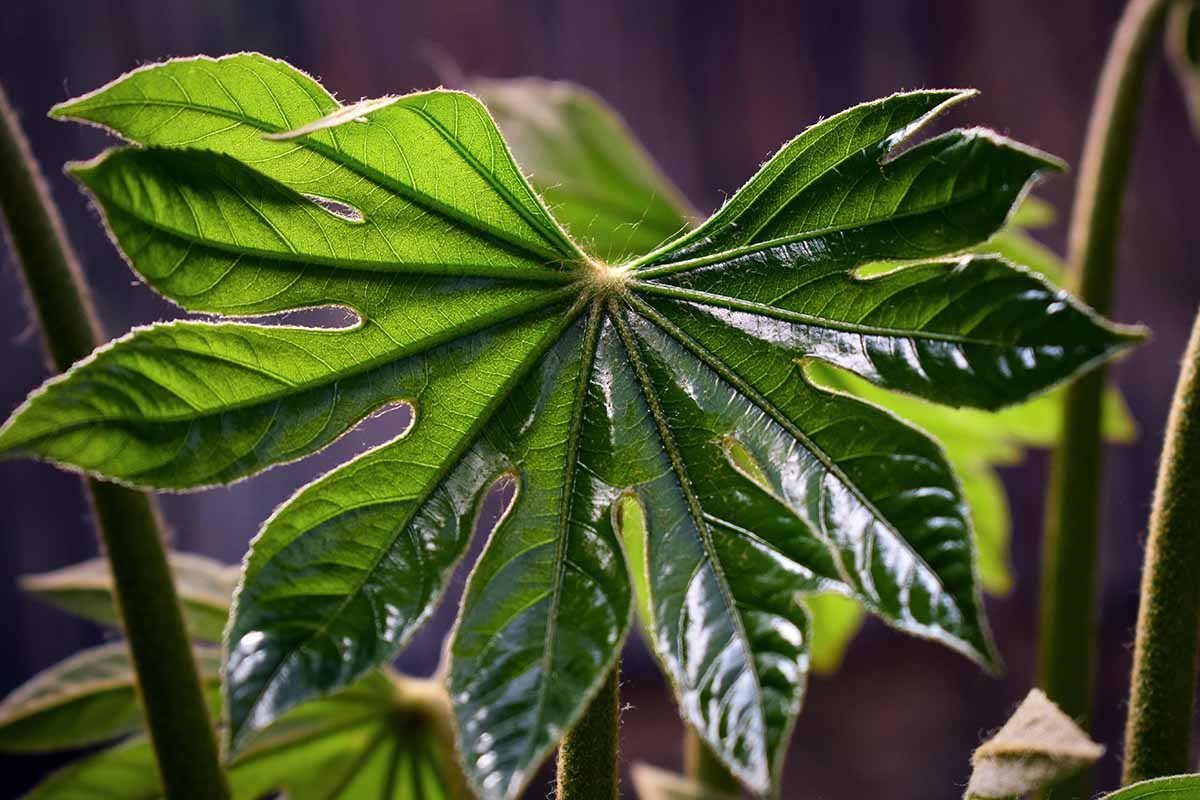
{"x": 712, "y": 89}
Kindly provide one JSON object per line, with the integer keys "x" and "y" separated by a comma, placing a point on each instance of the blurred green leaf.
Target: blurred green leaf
{"x": 383, "y": 738}
{"x": 205, "y": 590}
{"x": 1183, "y": 45}
{"x": 652, "y": 783}
{"x": 89, "y": 698}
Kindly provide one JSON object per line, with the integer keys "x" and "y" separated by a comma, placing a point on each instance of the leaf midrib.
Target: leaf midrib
{"x": 784, "y": 315}
{"x": 695, "y": 510}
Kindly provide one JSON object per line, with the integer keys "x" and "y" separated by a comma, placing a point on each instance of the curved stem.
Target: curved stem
{"x": 587, "y": 757}
{"x": 1158, "y": 733}
{"x": 1068, "y": 637}
{"x": 168, "y": 682}
{"x": 701, "y": 764}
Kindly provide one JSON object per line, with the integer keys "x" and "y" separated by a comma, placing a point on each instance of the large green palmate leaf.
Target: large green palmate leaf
{"x": 250, "y": 191}
{"x": 379, "y": 739}
{"x": 571, "y": 143}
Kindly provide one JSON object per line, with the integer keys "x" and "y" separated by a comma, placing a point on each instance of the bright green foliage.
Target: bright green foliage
{"x": 86, "y": 589}
{"x": 88, "y": 699}
{"x": 1175, "y": 787}
{"x": 581, "y": 381}
{"x": 542, "y": 121}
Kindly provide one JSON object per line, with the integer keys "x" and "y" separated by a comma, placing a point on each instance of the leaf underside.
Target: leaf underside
{"x": 250, "y": 191}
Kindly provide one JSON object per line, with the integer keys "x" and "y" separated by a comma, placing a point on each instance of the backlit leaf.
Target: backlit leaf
{"x": 581, "y": 382}
{"x": 205, "y": 589}
{"x": 1174, "y": 787}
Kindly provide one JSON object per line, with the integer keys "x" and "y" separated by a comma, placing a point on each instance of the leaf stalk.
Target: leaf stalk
{"x": 587, "y": 757}
{"x": 1067, "y": 631}
{"x": 130, "y": 533}
{"x": 1162, "y": 703}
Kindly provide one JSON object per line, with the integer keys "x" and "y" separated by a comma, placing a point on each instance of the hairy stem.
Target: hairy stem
{"x": 587, "y": 757}
{"x": 168, "y": 682}
{"x": 701, "y": 764}
{"x": 1068, "y": 635}
{"x": 1158, "y": 732}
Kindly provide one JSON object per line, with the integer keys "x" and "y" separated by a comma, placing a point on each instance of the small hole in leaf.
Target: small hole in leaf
{"x": 385, "y": 424}
{"x": 337, "y": 208}
{"x": 744, "y": 462}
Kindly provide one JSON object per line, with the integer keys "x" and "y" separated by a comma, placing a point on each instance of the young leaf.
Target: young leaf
{"x": 87, "y": 699}
{"x": 581, "y": 381}
{"x": 384, "y": 738}
{"x": 86, "y": 589}
{"x": 1038, "y": 746}
{"x": 1174, "y": 787}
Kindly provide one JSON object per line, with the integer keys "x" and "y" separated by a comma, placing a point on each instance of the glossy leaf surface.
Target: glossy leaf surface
{"x": 539, "y": 123}
{"x": 205, "y": 590}
{"x": 89, "y": 698}
{"x": 673, "y": 379}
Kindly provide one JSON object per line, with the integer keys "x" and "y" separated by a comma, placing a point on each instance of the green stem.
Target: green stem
{"x": 1068, "y": 635}
{"x": 587, "y": 757}
{"x": 168, "y": 682}
{"x": 701, "y": 764}
{"x": 1158, "y": 733}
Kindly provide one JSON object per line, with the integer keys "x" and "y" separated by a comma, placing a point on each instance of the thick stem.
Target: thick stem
{"x": 1158, "y": 732}
{"x": 587, "y": 757}
{"x": 701, "y": 764}
{"x": 169, "y": 684}
{"x": 1068, "y": 635}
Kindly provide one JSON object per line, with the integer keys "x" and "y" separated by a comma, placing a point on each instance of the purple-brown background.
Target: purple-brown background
{"x": 713, "y": 89}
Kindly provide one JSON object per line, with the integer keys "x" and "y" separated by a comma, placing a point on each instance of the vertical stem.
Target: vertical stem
{"x": 168, "y": 682}
{"x": 1158, "y": 733}
{"x": 701, "y": 764}
{"x": 1068, "y": 635}
{"x": 587, "y": 757}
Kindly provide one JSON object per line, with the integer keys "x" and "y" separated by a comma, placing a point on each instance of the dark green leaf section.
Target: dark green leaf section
{"x": 671, "y": 380}
{"x": 88, "y": 699}
{"x": 205, "y": 590}
{"x": 548, "y": 605}
{"x": 384, "y": 738}
{"x": 344, "y": 572}
{"x": 598, "y": 180}
{"x": 975, "y": 331}
{"x": 725, "y": 618}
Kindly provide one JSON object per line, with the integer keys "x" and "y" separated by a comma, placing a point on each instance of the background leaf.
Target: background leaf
{"x": 652, "y": 783}
{"x": 205, "y": 588}
{"x": 89, "y": 698}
